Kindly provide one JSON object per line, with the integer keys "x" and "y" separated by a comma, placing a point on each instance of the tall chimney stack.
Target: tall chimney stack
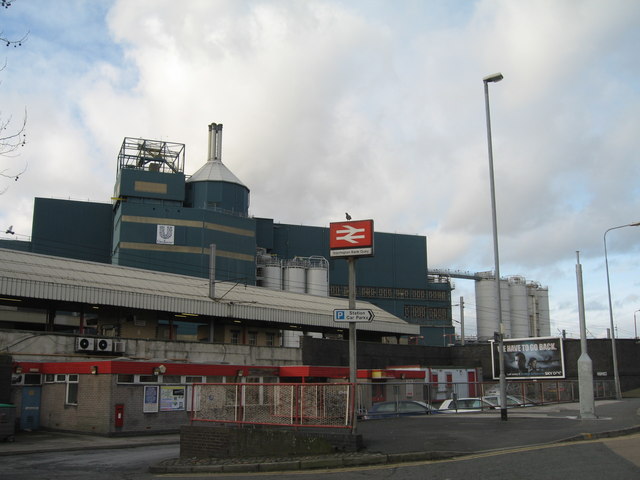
{"x": 215, "y": 142}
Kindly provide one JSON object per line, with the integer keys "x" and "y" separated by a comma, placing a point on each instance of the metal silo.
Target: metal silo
{"x": 488, "y": 321}
{"x": 506, "y": 307}
{"x": 486, "y": 318}
{"x": 295, "y": 273}
{"x": 272, "y": 276}
{"x": 542, "y": 294}
{"x": 519, "y": 307}
{"x": 269, "y": 270}
{"x": 318, "y": 276}
{"x": 538, "y": 300}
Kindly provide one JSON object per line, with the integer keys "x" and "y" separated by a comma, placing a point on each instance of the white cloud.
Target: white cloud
{"x": 375, "y": 108}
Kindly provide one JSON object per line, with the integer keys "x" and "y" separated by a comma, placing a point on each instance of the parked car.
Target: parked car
{"x": 462, "y": 405}
{"x": 512, "y": 401}
{"x": 398, "y": 408}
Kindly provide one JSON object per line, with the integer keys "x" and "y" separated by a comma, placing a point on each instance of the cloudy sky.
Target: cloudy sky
{"x": 374, "y": 107}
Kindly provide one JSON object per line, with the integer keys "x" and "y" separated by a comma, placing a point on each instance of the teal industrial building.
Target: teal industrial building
{"x": 161, "y": 219}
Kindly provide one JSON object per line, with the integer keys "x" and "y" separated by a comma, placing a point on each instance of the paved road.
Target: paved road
{"x": 472, "y": 443}
{"x": 617, "y": 459}
{"x": 99, "y": 464}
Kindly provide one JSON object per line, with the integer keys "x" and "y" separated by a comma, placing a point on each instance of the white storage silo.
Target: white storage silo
{"x": 487, "y": 318}
{"x": 519, "y": 307}
{"x": 272, "y": 276}
{"x": 318, "y": 276}
{"x": 295, "y": 276}
{"x": 506, "y": 308}
{"x": 544, "y": 318}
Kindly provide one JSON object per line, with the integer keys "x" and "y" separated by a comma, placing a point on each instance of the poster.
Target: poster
{"x": 172, "y": 398}
{"x": 150, "y": 399}
{"x": 530, "y": 358}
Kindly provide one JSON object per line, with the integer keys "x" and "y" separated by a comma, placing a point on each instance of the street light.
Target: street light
{"x": 496, "y": 77}
{"x": 635, "y": 325}
{"x": 616, "y": 376}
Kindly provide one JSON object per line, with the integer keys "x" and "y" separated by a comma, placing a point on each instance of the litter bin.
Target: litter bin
{"x": 7, "y": 422}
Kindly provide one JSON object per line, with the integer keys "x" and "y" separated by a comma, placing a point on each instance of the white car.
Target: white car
{"x": 462, "y": 405}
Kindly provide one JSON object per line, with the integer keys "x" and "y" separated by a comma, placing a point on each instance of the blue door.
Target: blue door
{"x": 30, "y": 411}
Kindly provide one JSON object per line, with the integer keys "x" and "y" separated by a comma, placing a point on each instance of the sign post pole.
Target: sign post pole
{"x": 352, "y": 239}
{"x": 353, "y": 355}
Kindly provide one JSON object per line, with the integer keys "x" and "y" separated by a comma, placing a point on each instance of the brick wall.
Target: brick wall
{"x": 220, "y": 441}
{"x": 95, "y": 412}
{"x": 374, "y": 355}
{"x": 135, "y": 420}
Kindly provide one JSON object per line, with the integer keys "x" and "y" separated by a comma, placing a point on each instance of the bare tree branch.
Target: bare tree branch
{"x": 10, "y": 140}
{"x": 12, "y": 137}
{"x": 13, "y": 43}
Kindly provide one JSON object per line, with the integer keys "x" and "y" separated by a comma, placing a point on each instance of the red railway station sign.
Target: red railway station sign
{"x": 351, "y": 238}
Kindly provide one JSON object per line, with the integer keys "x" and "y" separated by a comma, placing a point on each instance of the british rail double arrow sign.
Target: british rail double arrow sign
{"x": 351, "y": 239}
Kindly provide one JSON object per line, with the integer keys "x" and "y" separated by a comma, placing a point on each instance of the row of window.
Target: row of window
{"x": 431, "y": 313}
{"x": 72, "y": 380}
{"x": 252, "y": 338}
{"x": 388, "y": 292}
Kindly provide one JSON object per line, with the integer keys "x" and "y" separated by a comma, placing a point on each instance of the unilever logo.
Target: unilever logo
{"x": 165, "y": 234}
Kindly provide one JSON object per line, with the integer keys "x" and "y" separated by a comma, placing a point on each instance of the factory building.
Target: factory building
{"x": 161, "y": 219}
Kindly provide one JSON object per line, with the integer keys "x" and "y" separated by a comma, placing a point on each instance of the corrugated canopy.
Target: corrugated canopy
{"x": 45, "y": 277}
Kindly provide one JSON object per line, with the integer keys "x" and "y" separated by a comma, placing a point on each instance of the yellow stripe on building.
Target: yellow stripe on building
{"x": 153, "y": 247}
{"x": 189, "y": 223}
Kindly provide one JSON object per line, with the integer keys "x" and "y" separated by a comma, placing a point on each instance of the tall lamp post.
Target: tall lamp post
{"x": 496, "y": 77}
{"x": 616, "y": 376}
{"x": 635, "y": 325}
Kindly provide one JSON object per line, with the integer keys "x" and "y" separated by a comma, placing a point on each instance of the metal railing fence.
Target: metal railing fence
{"x": 331, "y": 405}
{"x": 328, "y": 405}
{"x": 523, "y": 392}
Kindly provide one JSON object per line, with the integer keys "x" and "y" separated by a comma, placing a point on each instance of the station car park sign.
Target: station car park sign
{"x": 351, "y": 238}
{"x": 353, "y": 316}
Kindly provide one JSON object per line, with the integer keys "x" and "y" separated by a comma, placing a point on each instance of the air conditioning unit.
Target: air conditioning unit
{"x": 85, "y": 344}
{"x": 119, "y": 347}
{"x": 104, "y": 345}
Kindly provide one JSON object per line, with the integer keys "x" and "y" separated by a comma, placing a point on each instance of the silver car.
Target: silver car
{"x": 462, "y": 405}
{"x": 512, "y": 401}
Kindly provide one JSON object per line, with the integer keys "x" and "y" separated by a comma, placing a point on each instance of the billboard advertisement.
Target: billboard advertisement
{"x": 529, "y": 358}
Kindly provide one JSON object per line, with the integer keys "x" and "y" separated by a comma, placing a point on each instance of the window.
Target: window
{"x": 72, "y": 390}
{"x": 125, "y": 378}
{"x": 410, "y": 407}
{"x": 235, "y": 337}
{"x": 386, "y": 408}
{"x": 253, "y": 338}
{"x": 271, "y": 339}
{"x": 32, "y": 379}
{"x": 194, "y": 379}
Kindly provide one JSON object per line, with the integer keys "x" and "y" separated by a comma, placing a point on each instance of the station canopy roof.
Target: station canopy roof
{"x": 43, "y": 277}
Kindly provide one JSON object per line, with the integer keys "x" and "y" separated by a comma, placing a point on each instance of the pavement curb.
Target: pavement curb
{"x": 362, "y": 460}
{"x": 595, "y": 436}
{"x": 79, "y": 447}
